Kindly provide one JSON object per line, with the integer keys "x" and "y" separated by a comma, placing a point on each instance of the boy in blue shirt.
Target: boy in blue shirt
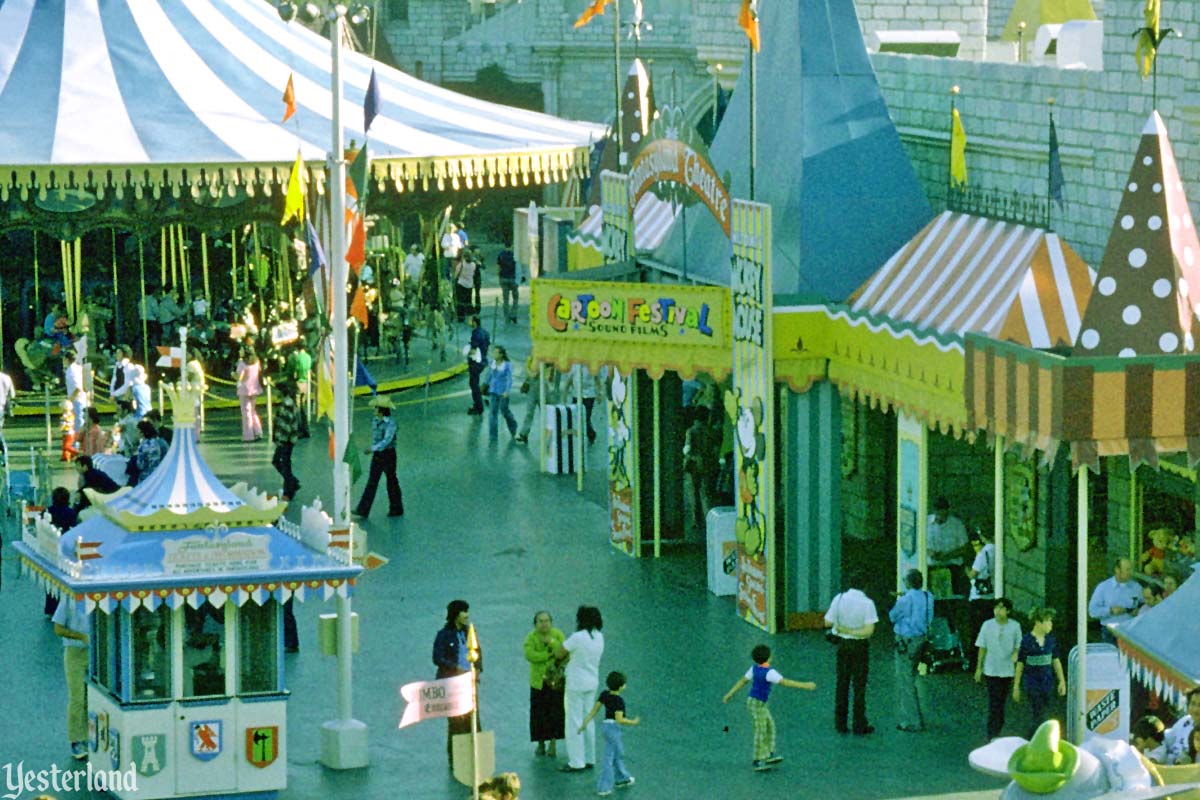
{"x": 1039, "y": 665}
{"x": 612, "y": 768}
{"x": 761, "y": 676}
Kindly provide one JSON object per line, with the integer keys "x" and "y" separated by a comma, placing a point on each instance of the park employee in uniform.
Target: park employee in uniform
{"x": 852, "y": 618}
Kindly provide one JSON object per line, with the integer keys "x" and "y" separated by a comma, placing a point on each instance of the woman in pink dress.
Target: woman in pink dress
{"x": 249, "y": 388}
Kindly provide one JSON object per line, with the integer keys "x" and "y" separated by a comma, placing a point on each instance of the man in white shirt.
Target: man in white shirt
{"x": 1116, "y": 598}
{"x": 7, "y": 395}
{"x": 946, "y": 544}
{"x": 414, "y": 264}
{"x": 451, "y": 245}
{"x": 73, "y": 381}
{"x": 122, "y": 373}
{"x": 1175, "y": 743}
{"x": 71, "y": 623}
{"x": 852, "y": 618}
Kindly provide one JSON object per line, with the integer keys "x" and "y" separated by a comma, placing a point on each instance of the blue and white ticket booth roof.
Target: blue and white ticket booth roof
{"x": 184, "y": 581}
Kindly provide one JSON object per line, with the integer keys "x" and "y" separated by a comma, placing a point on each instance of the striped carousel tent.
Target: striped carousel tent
{"x": 107, "y": 95}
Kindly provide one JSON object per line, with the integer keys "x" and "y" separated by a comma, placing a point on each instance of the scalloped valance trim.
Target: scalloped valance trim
{"x": 401, "y": 174}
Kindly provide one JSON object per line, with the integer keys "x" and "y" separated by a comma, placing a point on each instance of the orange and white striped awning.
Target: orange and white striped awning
{"x": 652, "y": 219}
{"x": 967, "y": 274}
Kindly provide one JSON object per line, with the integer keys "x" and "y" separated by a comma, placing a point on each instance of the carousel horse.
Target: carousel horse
{"x": 36, "y": 358}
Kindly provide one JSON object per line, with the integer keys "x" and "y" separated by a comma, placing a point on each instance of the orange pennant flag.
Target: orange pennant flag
{"x": 748, "y": 22}
{"x": 358, "y": 307}
{"x": 596, "y": 9}
{"x": 289, "y": 99}
{"x": 356, "y": 254}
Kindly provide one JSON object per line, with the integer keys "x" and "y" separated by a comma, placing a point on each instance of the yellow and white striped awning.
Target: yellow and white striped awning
{"x": 968, "y": 274}
{"x": 652, "y": 219}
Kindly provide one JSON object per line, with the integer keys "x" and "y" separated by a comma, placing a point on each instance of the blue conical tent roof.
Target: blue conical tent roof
{"x": 852, "y": 199}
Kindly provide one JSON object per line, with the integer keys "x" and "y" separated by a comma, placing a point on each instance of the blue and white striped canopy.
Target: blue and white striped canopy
{"x": 113, "y": 83}
{"x": 181, "y": 484}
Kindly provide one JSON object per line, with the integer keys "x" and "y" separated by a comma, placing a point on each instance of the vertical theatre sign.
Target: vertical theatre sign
{"x": 615, "y": 221}
{"x": 624, "y": 530}
{"x": 751, "y": 405}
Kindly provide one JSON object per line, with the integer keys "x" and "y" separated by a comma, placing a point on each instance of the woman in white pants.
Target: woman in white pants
{"x": 584, "y": 647}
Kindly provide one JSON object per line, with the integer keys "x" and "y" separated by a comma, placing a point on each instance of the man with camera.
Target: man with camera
{"x": 851, "y": 618}
{"x": 911, "y": 617}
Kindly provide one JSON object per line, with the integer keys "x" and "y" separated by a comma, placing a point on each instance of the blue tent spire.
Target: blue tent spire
{"x": 830, "y": 163}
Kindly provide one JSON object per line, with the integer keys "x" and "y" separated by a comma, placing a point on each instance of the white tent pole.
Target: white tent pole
{"x": 344, "y": 740}
{"x": 1081, "y": 600}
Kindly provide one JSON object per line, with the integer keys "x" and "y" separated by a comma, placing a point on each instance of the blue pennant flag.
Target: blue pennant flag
{"x": 363, "y": 378}
{"x": 316, "y": 256}
{"x": 1056, "y": 180}
{"x": 371, "y": 103}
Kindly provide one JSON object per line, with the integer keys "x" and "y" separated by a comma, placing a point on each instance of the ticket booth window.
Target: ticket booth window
{"x": 203, "y": 649}
{"x": 258, "y": 646}
{"x": 150, "y": 632}
{"x": 106, "y": 638}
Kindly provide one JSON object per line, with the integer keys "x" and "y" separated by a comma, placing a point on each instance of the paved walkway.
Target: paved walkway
{"x": 484, "y": 525}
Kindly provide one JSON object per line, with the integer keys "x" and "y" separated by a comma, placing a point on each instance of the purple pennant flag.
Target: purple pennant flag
{"x": 316, "y": 256}
{"x": 371, "y": 103}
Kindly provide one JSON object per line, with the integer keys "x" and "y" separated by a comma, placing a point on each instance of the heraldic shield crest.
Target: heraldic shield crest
{"x": 206, "y": 739}
{"x": 262, "y": 745}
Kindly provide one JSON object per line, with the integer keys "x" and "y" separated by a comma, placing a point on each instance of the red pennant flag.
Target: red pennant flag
{"x": 594, "y": 10}
{"x": 356, "y": 254}
{"x": 289, "y": 99}
{"x": 748, "y": 22}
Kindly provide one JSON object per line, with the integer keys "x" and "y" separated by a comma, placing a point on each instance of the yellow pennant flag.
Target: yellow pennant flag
{"x": 293, "y": 204}
{"x": 1146, "y": 48}
{"x": 958, "y": 150}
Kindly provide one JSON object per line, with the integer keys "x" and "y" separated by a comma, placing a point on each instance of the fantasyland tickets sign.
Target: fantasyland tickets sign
{"x": 750, "y": 404}
{"x": 656, "y": 327}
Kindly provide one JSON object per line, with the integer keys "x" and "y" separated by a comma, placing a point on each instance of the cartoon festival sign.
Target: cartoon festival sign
{"x": 750, "y": 404}
{"x": 624, "y": 530}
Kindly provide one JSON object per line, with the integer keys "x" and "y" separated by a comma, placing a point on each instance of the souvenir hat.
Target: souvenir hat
{"x": 381, "y": 401}
{"x": 1049, "y": 767}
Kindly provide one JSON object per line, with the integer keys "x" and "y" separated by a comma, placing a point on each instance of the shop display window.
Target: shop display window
{"x": 106, "y": 644}
{"x": 258, "y": 647}
{"x": 150, "y": 633}
{"x": 203, "y": 651}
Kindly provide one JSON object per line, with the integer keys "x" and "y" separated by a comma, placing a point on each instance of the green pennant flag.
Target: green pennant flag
{"x": 350, "y": 457}
{"x": 356, "y": 177}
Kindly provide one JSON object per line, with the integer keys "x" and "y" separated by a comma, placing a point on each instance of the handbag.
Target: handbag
{"x": 984, "y": 586}
{"x": 555, "y": 676}
{"x": 525, "y": 386}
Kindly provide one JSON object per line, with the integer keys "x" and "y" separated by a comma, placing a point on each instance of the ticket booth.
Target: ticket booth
{"x": 184, "y": 581}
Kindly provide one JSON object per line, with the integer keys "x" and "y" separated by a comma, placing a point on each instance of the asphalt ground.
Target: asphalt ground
{"x": 483, "y": 524}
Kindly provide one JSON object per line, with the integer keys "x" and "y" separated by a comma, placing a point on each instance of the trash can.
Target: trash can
{"x": 1108, "y": 700}
{"x": 722, "y": 550}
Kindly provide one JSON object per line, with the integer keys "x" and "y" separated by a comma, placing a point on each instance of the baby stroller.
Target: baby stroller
{"x": 945, "y": 647}
{"x": 29, "y": 485}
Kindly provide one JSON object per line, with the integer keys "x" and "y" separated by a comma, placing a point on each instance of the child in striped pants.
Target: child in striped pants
{"x": 761, "y": 677}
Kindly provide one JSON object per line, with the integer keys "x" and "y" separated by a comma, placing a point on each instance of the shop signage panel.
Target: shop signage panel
{"x": 624, "y": 533}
